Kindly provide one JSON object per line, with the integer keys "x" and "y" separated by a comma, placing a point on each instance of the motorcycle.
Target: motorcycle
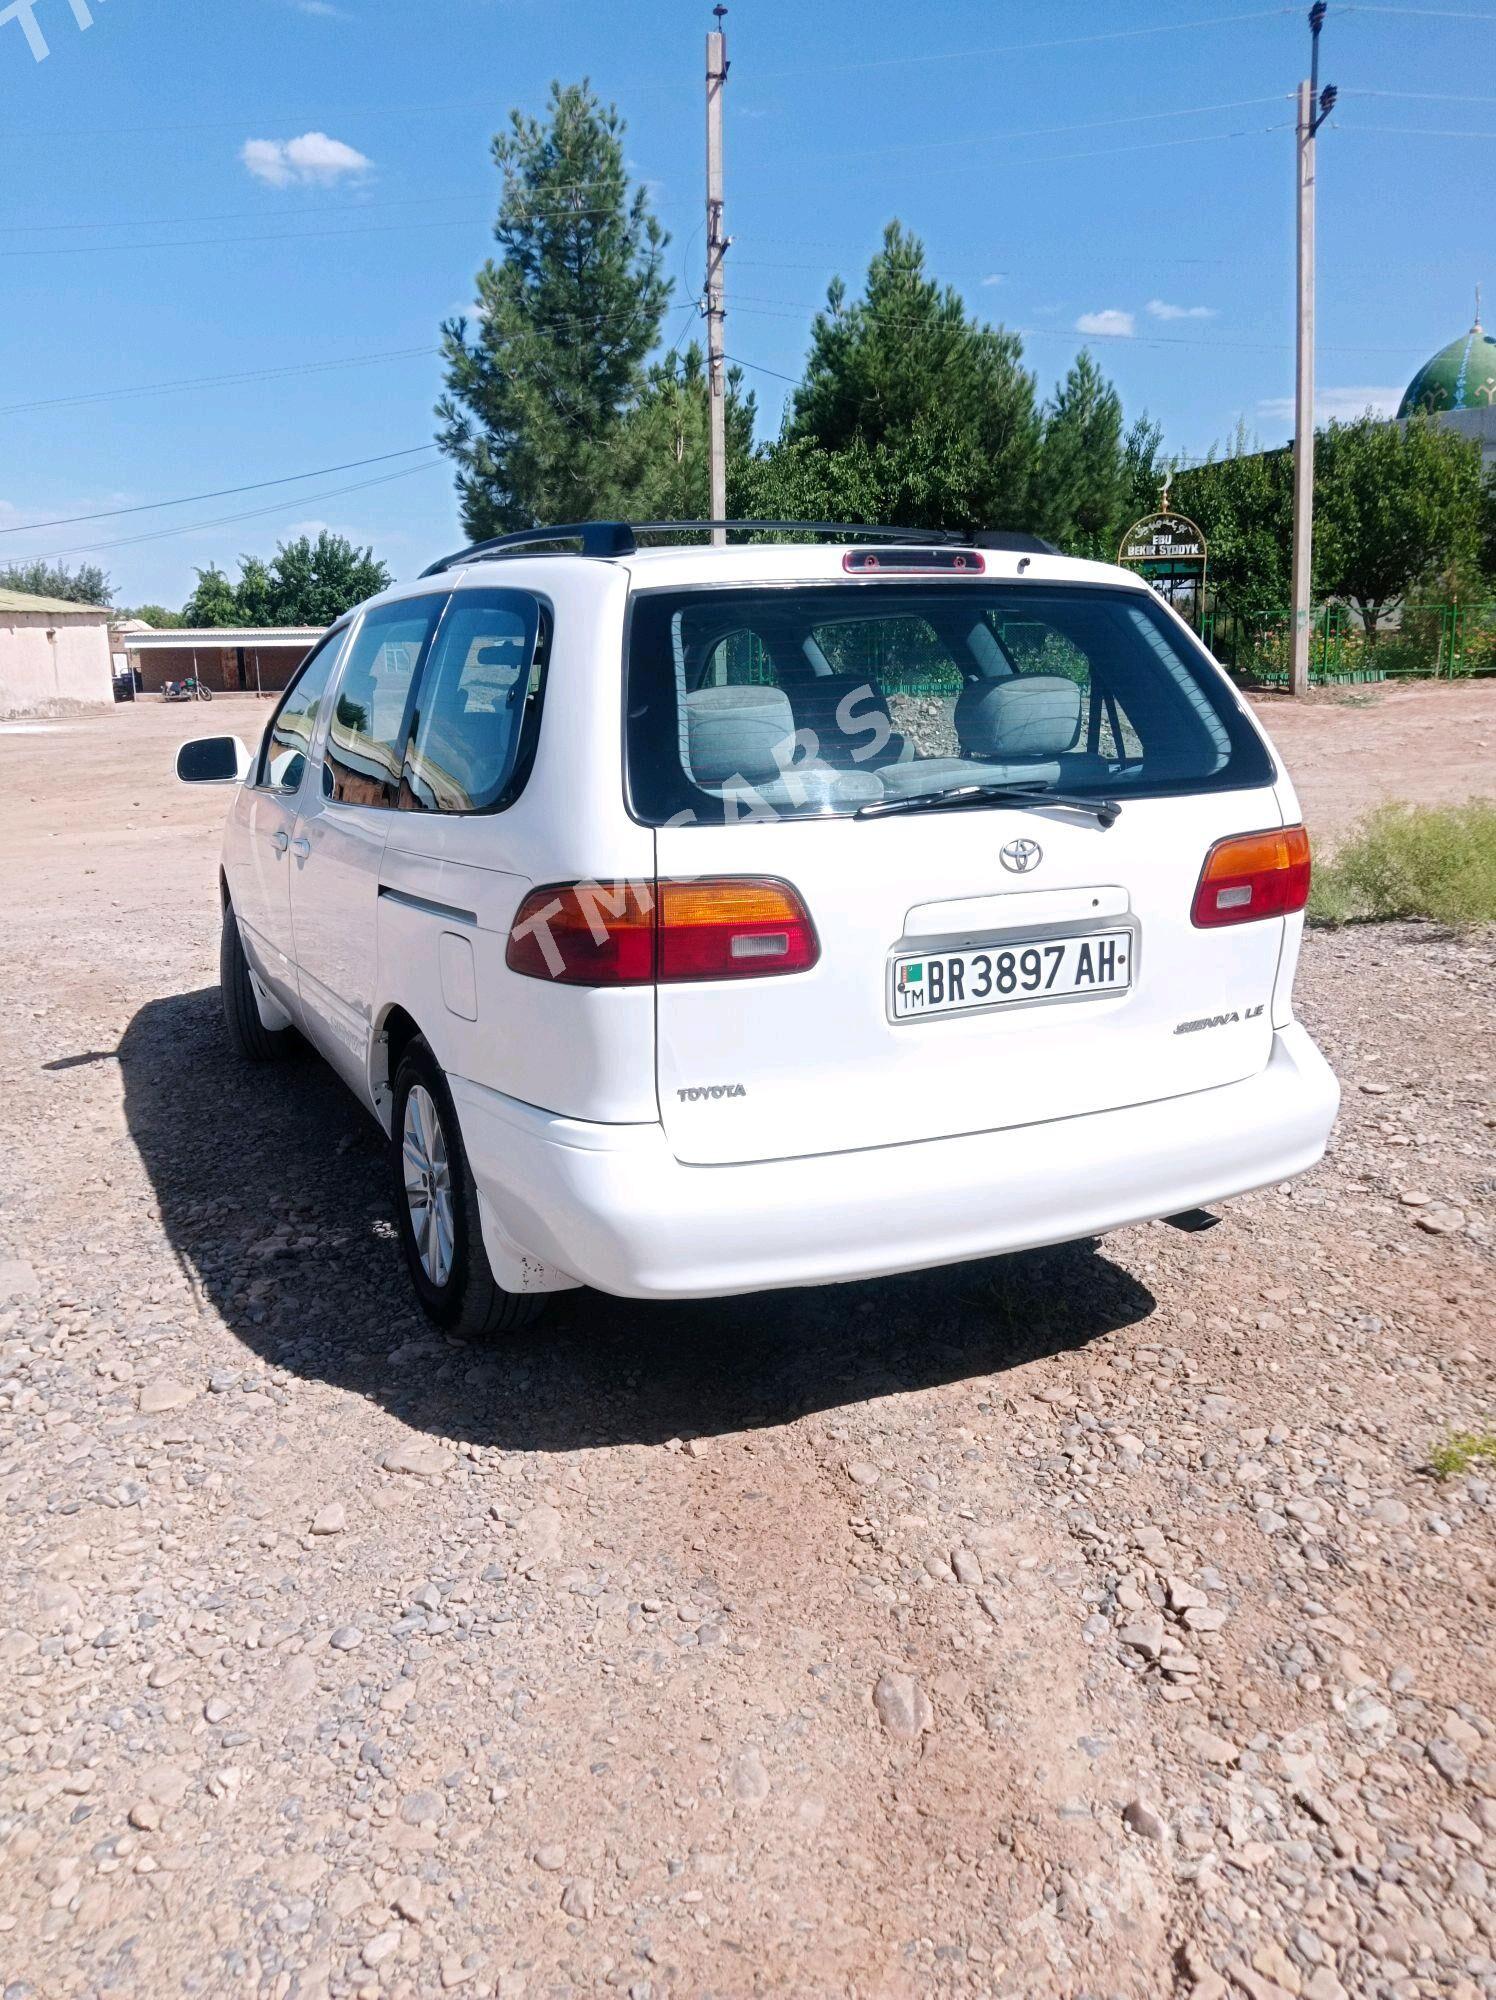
{"x": 190, "y": 689}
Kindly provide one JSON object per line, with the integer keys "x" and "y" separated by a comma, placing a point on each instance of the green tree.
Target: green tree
{"x": 1395, "y": 505}
{"x": 929, "y": 476}
{"x": 255, "y": 595}
{"x": 213, "y": 601}
{"x": 306, "y": 582}
{"x": 1242, "y": 499}
{"x": 1081, "y": 468}
{"x": 1486, "y": 554}
{"x": 665, "y": 439}
{"x": 85, "y": 585}
{"x": 930, "y": 412}
{"x": 539, "y": 391}
{"x": 312, "y": 583}
{"x": 1144, "y": 466}
{"x": 155, "y": 615}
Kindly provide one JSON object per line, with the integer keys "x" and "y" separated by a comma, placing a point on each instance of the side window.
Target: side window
{"x": 366, "y": 736}
{"x": 288, "y": 739}
{"x": 478, "y": 708}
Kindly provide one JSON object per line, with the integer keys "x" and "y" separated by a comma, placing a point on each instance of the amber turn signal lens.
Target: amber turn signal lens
{"x": 1253, "y": 875}
{"x": 738, "y": 927}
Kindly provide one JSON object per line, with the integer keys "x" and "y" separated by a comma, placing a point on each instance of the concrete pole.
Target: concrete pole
{"x": 716, "y": 250}
{"x": 1303, "y": 425}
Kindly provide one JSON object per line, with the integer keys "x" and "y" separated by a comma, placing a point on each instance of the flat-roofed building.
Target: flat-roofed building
{"x": 54, "y": 655}
{"x": 228, "y": 659}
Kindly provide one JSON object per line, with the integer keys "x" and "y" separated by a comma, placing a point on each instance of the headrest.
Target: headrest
{"x": 1028, "y": 715}
{"x": 734, "y": 732}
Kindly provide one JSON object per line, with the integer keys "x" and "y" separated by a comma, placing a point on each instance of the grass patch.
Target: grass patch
{"x": 1413, "y": 861}
{"x": 1463, "y": 1452}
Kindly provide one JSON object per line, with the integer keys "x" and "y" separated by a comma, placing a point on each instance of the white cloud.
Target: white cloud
{"x": 321, "y": 10}
{"x": 1161, "y": 309}
{"x": 1339, "y": 404}
{"x": 993, "y": 278}
{"x": 311, "y": 160}
{"x": 1110, "y": 323}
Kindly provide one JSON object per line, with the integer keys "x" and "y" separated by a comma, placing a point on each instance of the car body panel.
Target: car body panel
{"x": 857, "y": 1144}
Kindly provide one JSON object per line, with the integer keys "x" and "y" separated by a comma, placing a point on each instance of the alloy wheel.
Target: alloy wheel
{"x": 428, "y": 1184}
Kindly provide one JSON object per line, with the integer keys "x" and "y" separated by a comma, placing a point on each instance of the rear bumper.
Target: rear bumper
{"x": 611, "y": 1206}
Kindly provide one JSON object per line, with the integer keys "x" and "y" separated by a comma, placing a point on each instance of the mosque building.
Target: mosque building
{"x": 1458, "y": 386}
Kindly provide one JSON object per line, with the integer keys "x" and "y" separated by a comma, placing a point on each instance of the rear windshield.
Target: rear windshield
{"x": 818, "y": 699}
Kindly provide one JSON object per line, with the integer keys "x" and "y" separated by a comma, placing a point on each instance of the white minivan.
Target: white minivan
{"x": 700, "y": 919}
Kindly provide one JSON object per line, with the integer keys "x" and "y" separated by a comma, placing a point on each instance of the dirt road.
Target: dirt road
{"x": 1426, "y": 742}
{"x": 1086, "y": 1623}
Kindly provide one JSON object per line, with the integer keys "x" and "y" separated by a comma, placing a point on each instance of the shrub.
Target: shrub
{"x": 1463, "y": 1452}
{"x": 1413, "y": 861}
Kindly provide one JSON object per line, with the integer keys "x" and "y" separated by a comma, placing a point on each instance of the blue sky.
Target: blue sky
{"x": 276, "y": 188}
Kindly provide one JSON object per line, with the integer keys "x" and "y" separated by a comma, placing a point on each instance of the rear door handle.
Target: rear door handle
{"x": 301, "y": 846}
{"x": 280, "y": 840}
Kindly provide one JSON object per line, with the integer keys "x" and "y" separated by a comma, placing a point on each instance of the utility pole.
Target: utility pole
{"x": 716, "y": 251}
{"x": 1315, "y": 107}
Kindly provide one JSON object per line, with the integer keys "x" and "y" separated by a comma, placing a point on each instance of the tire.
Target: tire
{"x": 252, "y": 1041}
{"x": 448, "y": 1265}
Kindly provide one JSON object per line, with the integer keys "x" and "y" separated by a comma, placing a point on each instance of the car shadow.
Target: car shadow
{"x": 272, "y": 1188}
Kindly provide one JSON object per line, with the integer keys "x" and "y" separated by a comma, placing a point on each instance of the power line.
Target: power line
{"x": 1413, "y": 131}
{"x": 759, "y": 369}
{"x": 289, "y": 236}
{"x": 1419, "y": 13}
{"x": 1421, "y": 96}
{"x": 300, "y": 368}
{"x": 234, "y": 215}
{"x": 627, "y": 89}
{"x": 221, "y": 493}
{"x": 222, "y": 242}
{"x": 217, "y": 381}
{"x": 1111, "y": 152}
{"x": 793, "y": 308}
{"x": 1050, "y": 131}
{"x": 227, "y": 520}
{"x": 1027, "y": 48}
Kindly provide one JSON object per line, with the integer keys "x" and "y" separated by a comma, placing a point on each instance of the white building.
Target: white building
{"x": 53, "y": 655}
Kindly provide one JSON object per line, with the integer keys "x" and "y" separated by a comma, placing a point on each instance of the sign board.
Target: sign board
{"x": 1163, "y": 538}
{"x": 1169, "y": 551}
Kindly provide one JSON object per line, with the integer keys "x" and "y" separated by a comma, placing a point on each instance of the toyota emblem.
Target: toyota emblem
{"x": 1021, "y": 856}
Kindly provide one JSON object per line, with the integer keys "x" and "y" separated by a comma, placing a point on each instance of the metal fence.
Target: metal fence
{"x": 1429, "y": 642}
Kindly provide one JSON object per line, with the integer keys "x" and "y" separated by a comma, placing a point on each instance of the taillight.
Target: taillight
{"x": 734, "y": 928}
{"x": 629, "y": 933}
{"x": 1253, "y": 875}
{"x": 585, "y": 934}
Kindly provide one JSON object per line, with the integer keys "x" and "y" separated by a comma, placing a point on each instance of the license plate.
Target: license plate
{"x": 956, "y": 982}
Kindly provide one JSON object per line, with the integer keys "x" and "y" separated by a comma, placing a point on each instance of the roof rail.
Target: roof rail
{"x": 598, "y": 538}
{"x": 620, "y": 538}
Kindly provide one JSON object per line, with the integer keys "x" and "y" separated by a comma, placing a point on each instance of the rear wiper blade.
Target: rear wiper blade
{"x": 1107, "y": 811}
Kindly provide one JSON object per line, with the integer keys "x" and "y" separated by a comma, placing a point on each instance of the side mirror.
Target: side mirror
{"x": 214, "y": 760}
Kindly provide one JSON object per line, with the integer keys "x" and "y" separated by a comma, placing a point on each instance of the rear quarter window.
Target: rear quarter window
{"x": 478, "y": 710}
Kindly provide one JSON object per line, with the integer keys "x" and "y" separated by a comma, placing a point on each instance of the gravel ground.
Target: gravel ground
{"x": 1085, "y": 1623}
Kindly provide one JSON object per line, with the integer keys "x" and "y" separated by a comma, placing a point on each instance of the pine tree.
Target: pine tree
{"x": 667, "y": 439}
{"x": 1081, "y": 463}
{"x": 539, "y": 390}
{"x": 911, "y": 403}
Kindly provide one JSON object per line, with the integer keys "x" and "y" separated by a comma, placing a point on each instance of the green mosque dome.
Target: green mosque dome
{"x": 1461, "y": 376}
